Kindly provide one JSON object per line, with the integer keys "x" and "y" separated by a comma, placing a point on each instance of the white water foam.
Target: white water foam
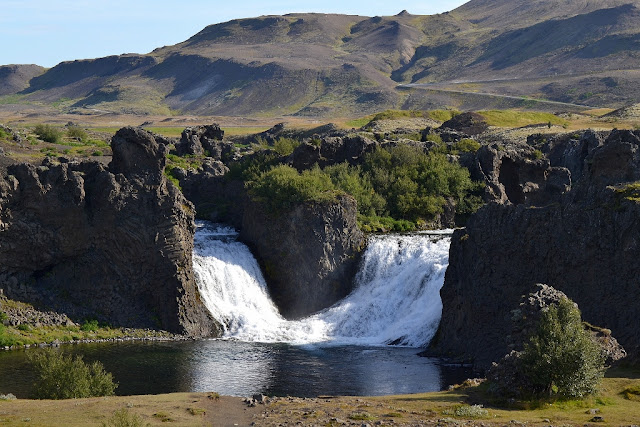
{"x": 396, "y": 300}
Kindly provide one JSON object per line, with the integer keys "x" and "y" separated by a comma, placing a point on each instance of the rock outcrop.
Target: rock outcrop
{"x": 583, "y": 242}
{"x": 198, "y": 140}
{"x": 331, "y": 150}
{"x": 467, "y": 123}
{"x": 309, "y": 254}
{"x": 112, "y": 243}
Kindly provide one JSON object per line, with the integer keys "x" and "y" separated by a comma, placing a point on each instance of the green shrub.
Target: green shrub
{"x": 124, "y": 418}
{"x": 77, "y": 133}
{"x": 250, "y": 168}
{"x": 48, "y": 133}
{"x": 416, "y": 185}
{"x": 473, "y": 411}
{"x": 60, "y": 376}
{"x": 285, "y": 146}
{"x": 561, "y": 358}
{"x": 632, "y": 393}
{"x": 89, "y": 326}
{"x": 466, "y": 145}
{"x": 537, "y": 154}
{"x": 282, "y": 187}
{"x": 351, "y": 180}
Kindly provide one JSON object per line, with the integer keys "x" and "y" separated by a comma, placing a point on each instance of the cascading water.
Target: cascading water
{"x": 396, "y": 299}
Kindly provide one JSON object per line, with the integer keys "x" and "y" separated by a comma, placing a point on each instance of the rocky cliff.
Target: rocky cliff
{"x": 569, "y": 220}
{"x": 112, "y": 243}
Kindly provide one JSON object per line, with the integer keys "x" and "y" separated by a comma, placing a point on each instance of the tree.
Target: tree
{"x": 561, "y": 358}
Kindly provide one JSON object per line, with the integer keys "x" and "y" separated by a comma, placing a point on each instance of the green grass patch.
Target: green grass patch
{"x": 358, "y": 123}
{"x": 124, "y": 418}
{"x": 514, "y": 118}
{"x": 632, "y": 393}
{"x": 169, "y": 131}
{"x": 362, "y": 416}
{"x": 26, "y": 334}
{"x": 196, "y": 411}
{"x": 442, "y": 115}
{"x": 630, "y": 192}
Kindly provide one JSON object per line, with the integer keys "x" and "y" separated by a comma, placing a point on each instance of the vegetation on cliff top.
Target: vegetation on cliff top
{"x": 398, "y": 187}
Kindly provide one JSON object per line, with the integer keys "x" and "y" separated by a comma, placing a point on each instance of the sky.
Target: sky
{"x": 47, "y": 32}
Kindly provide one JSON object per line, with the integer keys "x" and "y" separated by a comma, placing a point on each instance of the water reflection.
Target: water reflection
{"x": 241, "y": 369}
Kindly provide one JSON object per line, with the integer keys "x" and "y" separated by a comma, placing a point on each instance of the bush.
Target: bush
{"x": 285, "y": 146}
{"x": 561, "y": 358}
{"x": 466, "y": 145}
{"x": 48, "y": 133}
{"x": 283, "y": 187}
{"x": 89, "y": 326}
{"x": 60, "y": 376}
{"x": 124, "y": 418}
{"x": 77, "y": 133}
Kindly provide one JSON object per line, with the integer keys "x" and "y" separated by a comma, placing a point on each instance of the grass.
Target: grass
{"x": 515, "y": 118}
{"x": 26, "y": 334}
{"x": 457, "y": 406}
{"x": 179, "y": 409}
{"x": 630, "y": 192}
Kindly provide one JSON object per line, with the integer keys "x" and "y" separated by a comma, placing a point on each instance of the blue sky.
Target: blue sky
{"x": 46, "y": 32}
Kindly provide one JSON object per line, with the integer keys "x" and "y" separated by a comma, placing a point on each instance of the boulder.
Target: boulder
{"x": 207, "y": 139}
{"x": 466, "y": 123}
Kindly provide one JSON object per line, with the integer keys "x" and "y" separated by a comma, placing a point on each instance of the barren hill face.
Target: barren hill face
{"x": 339, "y": 65}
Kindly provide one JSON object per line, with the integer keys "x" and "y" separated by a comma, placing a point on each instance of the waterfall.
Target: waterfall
{"x": 396, "y": 299}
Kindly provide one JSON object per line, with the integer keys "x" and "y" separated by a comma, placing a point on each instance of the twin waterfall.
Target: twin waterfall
{"x": 396, "y": 299}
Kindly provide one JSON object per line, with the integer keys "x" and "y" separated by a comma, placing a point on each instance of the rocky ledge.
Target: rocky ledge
{"x": 110, "y": 243}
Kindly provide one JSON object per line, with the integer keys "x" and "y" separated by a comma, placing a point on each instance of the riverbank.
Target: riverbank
{"x": 457, "y": 407}
{"x": 23, "y": 326}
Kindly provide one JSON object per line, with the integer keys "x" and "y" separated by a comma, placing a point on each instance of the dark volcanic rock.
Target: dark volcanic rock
{"x": 584, "y": 244}
{"x": 331, "y": 150}
{"x": 517, "y": 174}
{"x": 467, "y": 123}
{"x": 113, "y": 244}
{"x": 309, "y": 254}
{"x": 198, "y": 140}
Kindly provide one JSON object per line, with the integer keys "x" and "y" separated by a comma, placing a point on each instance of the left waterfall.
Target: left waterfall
{"x": 231, "y": 283}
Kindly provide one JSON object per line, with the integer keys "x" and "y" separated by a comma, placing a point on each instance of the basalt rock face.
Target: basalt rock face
{"x": 583, "y": 242}
{"x": 112, "y": 243}
{"x": 309, "y": 254}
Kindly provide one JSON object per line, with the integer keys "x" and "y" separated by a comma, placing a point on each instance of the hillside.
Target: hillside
{"x": 579, "y": 52}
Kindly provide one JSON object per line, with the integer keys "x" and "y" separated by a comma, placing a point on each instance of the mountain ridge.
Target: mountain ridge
{"x": 314, "y": 64}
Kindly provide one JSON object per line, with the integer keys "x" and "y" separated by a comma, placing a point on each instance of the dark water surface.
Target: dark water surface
{"x": 241, "y": 369}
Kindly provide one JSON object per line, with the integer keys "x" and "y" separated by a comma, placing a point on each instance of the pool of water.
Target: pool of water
{"x": 238, "y": 368}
